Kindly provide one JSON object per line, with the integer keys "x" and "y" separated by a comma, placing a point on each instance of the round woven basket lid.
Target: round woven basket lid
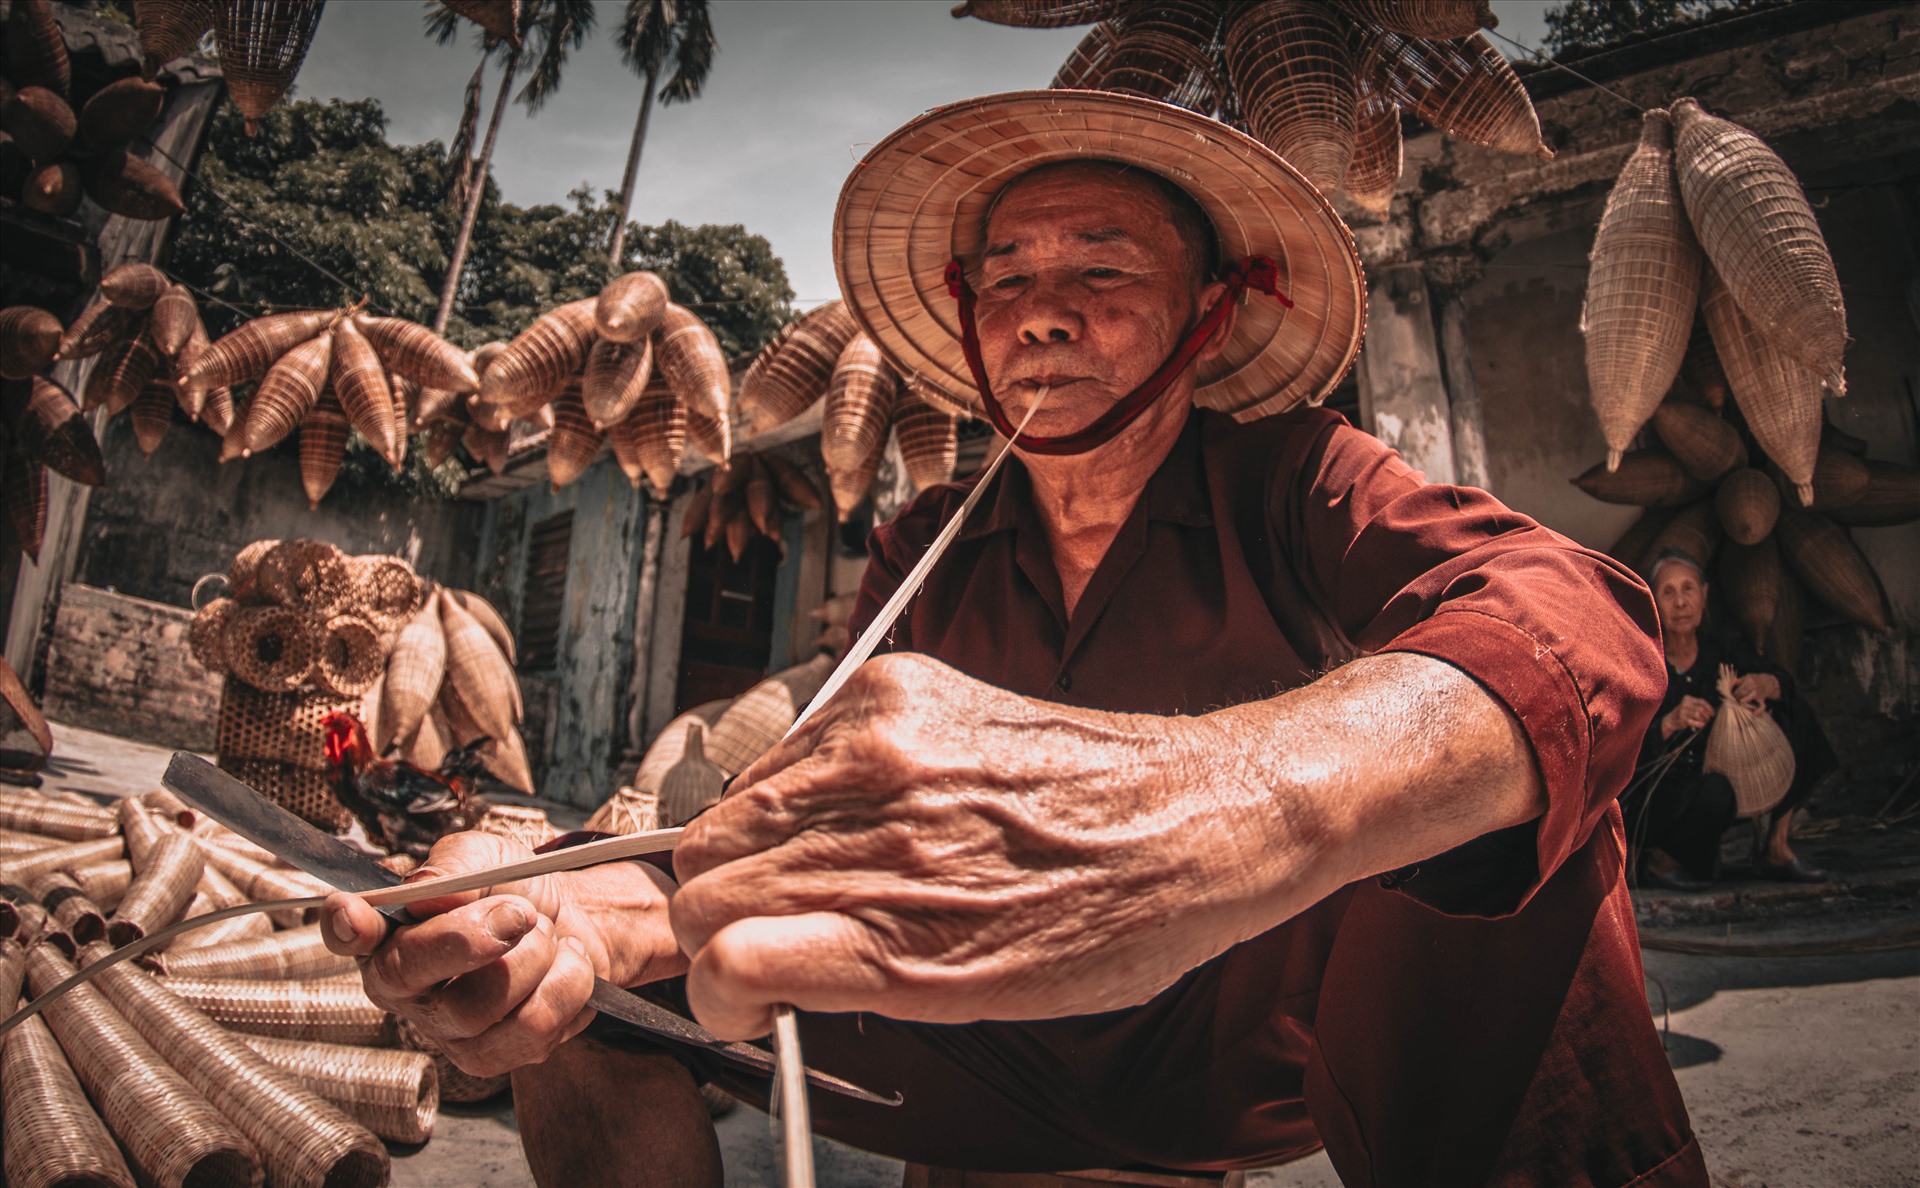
{"x": 920, "y": 198}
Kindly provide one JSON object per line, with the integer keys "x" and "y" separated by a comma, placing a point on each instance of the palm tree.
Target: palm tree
{"x": 655, "y": 36}
{"x": 549, "y": 31}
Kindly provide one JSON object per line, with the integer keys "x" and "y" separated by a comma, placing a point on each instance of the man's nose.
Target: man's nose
{"x": 1048, "y": 316}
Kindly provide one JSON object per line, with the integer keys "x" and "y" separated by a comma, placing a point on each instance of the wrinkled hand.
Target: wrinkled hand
{"x": 497, "y": 980}
{"x": 931, "y": 847}
{"x": 1756, "y": 689}
{"x": 1692, "y": 713}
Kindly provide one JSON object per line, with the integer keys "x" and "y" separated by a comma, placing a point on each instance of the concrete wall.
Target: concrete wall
{"x": 164, "y": 521}
{"x": 121, "y": 665}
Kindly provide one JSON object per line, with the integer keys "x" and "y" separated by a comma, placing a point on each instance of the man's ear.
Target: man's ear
{"x": 1212, "y": 294}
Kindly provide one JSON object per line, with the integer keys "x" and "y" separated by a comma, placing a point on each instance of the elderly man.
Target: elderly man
{"x": 1229, "y": 792}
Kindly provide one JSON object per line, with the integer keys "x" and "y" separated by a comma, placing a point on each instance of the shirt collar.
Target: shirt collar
{"x": 1177, "y": 492}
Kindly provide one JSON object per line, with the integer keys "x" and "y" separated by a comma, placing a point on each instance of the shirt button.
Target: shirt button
{"x": 1063, "y": 682}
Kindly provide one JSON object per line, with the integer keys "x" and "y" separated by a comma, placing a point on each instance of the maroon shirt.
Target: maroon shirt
{"x": 1478, "y": 1017}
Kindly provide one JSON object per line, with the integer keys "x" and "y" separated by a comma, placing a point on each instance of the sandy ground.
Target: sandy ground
{"x": 1799, "y": 1072}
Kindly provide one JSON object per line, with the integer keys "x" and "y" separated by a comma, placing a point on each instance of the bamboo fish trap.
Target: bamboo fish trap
{"x": 649, "y": 442}
{"x": 1642, "y": 288}
{"x": 929, "y": 440}
{"x": 294, "y": 955}
{"x": 1747, "y": 747}
{"x": 1706, "y": 446}
{"x": 1751, "y": 579}
{"x": 53, "y": 430}
{"x": 1779, "y": 397}
{"x": 690, "y": 358}
{"x": 630, "y": 307}
{"x": 1465, "y": 88}
{"x": 1165, "y": 51}
{"x": 574, "y": 441}
{"x": 792, "y": 372}
{"x": 1292, "y": 67}
{"x": 615, "y": 380}
{"x": 1442, "y": 20}
{"x": 853, "y": 429}
{"x": 170, "y": 29}
{"x": 262, "y": 43}
{"x": 1378, "y": 154}
{"x": 1748, "y": 504}
{"x": 1039, "y": 14}
{"x": 536, "y": 364}
{"x": 333, "y": 1011}
{"x": 1754, "y": 221}
{"x": 52, "y": 1137}
{"x": 394, "y": 1094}
{"x": 29, "y": 339}
{"x": 1829, "y": 564}
{"x": 1644, "y": 478}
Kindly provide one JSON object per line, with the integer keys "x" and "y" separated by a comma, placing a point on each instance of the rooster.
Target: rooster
{"x": 405, "y": 807}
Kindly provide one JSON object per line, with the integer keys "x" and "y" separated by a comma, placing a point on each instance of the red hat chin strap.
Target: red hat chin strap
{"x": 1254, "y": 272}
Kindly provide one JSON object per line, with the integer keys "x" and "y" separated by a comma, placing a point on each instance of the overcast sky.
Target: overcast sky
{"x": 798, "y": 92}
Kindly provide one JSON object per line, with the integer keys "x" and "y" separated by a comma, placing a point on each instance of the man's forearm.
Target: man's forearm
{"x": 1384, "y": 762}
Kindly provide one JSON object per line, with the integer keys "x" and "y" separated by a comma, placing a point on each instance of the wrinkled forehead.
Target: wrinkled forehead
{"x": 974, "y": 213}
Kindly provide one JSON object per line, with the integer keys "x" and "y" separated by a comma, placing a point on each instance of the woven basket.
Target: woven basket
{"x": 456, "y": 1085}
{"x": 246, "y": 566}
{"x": 53, "y": 430}
{"x": 853, "y": 429}
{"x": 134, "y": 285}
{"x": 1706, "y": 446}
{"x": 650, "y": 441}
{"x": 22, "y": 869}
{"x": 98, "y": 327}
{"x": 1643, "y": 285}
{"x": 244, "y": 353}
{"x": 1750, "y": 578}
{"x": 627, "y": 811}
{"x": 520, "y": 822}
{"x": 1292, "y": 66}
{"x": 758, "y": 718}
{"x": 67, "y": 903}
{"x": 415, "y": 669}
{"x": 1839, "y": 479}
{"x": 334, "y": 1011}
{"x": 175, "y": 317}
{"x": 12, "y": 842}
{"x": 690, "y": 358}
{"x": 1694, "y": 532}
{"x": 1165, "y": 51}
{"x": 33, "y": 812}
{"x": 1442, "y": 20}
{"x": 477, "y": 671}
{"x": 792, "y": 372}
{"x": 500, "y": 18}
{"x": 414, "y": 352}
{"x": 615, "y": 380}
{"x": 1830, "y": 565}
{"x": 323, "y": 446}
{"x": 1892, "y": 496}
{"x": 52, "y": 1138}
{"x": 670, "y": 744}
{"x": 1750, "y": 749}
{"x": 1378, "y": 155}
{"x": 1779, "y": 397}
{"x": 296, "y": 955}
{"x": 353, "y": 655}
{"x": 929, "y": 441}
{"x": 1644, "y": 478}
{"x": 1087, "y": 63}
{"x": 309, "y": 574}
{"x": 23, "y": 920}
{"x": 118, "y": 112}
{"x": 629, "y": 308}
{"x": 288, "y": 393}
{"x": 1465, "y": 88}
{"x": 1039, "y": 14}
{"x": 284, "y": 727}
{"x": 152, "y": 415}
{"x": 1757, "y": 228}
{"x": 540, "y": 359}
{"x": 383, "y": 589}
{"x": 29, "y": 339}
{"x": 170, "y": 28}
{"x": 712, "y": 438}
{"x": 1748, "y": 504}
{"x": 574, "y": 442}
{"x": 301, "y": 1138}
{"x": 174, "y": 1135}
{"x": 262, "y": 43}
{"x": 486, "y": 447}
{"x": 124, "y": 371}
{"x": 429, "y": 743}
{"x": 394, "y": 1094}
{"x": 207, "y": 634}
{"x": 162, "y": 886}
{"x": 485, "y": 614}
{"x": 360, "y": 381}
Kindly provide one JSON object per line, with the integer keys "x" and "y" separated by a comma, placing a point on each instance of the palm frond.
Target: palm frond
{"x": 558, "y": 27}
{"x": 694, "y": 49}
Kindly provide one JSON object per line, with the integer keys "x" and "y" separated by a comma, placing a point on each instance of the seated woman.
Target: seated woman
{"x": 1675, "y": 811}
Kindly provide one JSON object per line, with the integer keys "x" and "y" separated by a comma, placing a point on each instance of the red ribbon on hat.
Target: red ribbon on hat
{"x": 1259, "y": 273}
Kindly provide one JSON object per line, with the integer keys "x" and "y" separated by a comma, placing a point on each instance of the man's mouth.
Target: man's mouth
{"x": 1034, "y": 383}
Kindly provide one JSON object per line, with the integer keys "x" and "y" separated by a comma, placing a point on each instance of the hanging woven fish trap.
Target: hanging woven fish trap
{"x": 1291, "y": 63}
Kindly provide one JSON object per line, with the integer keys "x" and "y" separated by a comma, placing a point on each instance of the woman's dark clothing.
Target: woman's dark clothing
{"x": 1685, "y": 810}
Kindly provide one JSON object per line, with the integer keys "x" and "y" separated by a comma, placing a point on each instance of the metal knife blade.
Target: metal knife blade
{"x": 339, "y": 865}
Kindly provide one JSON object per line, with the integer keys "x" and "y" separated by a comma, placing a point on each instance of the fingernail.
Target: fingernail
{"x": 343, "y": 928}
{"x": 507, "y": 923}
{"x": 421, "y": 874}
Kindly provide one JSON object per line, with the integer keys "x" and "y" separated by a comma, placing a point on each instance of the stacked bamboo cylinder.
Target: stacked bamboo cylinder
{"x": 308, "y": 631}
{"x": 1322, "y": 84}
{"x": 823, "y": 356}
{"x": 1706, "y": 217}
{"x": 628, "y": 370}
{"x": 237, "y": 1051}
{"x": 77, "y": 145}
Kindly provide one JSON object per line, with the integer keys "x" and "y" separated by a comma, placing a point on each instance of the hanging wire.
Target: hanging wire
{"x": 347, "y": 290}
{"x": 196, "y": 289}
{"x": 1537, "y": 56}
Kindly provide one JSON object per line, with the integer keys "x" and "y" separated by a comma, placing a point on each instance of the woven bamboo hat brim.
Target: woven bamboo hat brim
{"x": 920, "y": 199}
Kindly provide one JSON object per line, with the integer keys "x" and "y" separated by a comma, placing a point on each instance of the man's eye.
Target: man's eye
{"x": 1103, "y": 273}
{"x": 1008, "y": 282}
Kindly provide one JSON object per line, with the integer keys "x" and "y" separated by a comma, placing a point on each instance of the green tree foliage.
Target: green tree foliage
{"x": 320, "y": 191}
{"x": 1587, "y": 25}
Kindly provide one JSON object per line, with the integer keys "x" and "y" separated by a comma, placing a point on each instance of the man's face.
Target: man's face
{"x": 1681, "y": 597}
{"x": 1086, "y": 287}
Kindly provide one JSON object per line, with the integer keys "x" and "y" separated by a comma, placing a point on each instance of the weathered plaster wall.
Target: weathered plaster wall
{"x": 166, "y": 520}
{"x": 121, "y": 665}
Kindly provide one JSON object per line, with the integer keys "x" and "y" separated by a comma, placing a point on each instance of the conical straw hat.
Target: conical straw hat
{"x": 920, "y": 198}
